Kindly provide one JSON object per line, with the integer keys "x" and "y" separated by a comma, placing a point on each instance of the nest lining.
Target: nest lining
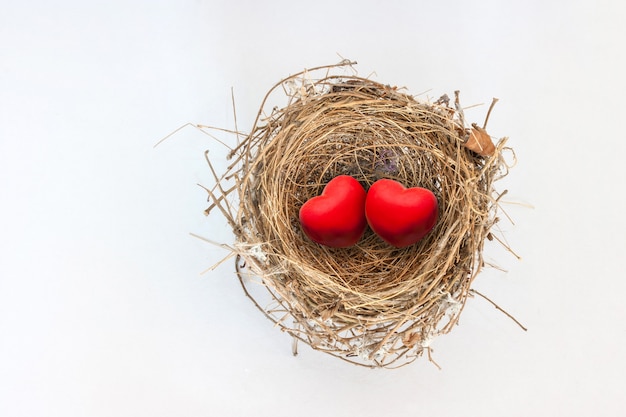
{"x": 371, "y": 304}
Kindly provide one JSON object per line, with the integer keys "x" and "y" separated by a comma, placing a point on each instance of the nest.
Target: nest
{"x": 371, "y": 304}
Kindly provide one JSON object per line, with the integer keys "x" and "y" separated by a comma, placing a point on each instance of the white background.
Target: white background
{"x": 103, "y": 307}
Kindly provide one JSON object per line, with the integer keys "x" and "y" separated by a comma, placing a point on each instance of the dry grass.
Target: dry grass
{"x": 371, "y": 304}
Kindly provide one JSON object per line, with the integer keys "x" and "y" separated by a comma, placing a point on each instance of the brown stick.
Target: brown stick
{"x": 473, "y": 291}
{"x": 493, "y": 103}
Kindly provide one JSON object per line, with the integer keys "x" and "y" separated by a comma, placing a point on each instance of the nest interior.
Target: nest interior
{"x": 371, "y": 304}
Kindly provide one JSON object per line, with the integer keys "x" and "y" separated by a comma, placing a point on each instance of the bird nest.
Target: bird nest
{"x": 372, "y": 304}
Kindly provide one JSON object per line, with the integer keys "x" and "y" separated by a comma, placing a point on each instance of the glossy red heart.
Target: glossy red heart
{"x": 400, "y": 216}
{"x": 336, "y": 218}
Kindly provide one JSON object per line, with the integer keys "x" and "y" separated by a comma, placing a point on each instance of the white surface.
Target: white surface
{"x": 103, "y": 311}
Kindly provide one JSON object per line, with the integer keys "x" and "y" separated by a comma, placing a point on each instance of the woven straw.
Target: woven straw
{"x": 371, "y": 304}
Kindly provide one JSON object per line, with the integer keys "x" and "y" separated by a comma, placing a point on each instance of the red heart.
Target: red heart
{"x": 336, "y": 218}
{"x": 400, "y": 216}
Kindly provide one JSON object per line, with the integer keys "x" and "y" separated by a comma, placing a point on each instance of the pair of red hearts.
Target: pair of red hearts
{"x": 338, "y": 217}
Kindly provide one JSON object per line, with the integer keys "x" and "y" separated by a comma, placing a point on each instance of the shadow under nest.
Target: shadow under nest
{"x": 371, "y": 304}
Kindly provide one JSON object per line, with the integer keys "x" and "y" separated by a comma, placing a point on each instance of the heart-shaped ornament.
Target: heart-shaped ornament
{"x": 400, "y": 216}
{"x": 335, "y": 218}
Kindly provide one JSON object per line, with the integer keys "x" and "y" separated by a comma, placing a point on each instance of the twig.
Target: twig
{"x": 473, "y": 291}
{"x": 459, "y": 109}
{"x": 493, "y": 103}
